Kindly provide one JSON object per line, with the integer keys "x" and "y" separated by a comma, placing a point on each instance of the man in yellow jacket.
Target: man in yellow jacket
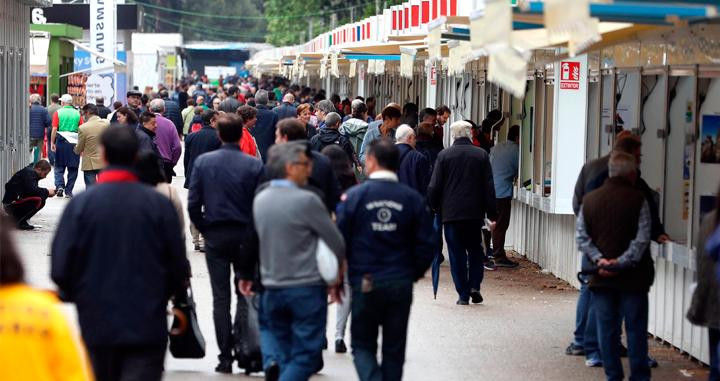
{"x": 88, "y": 145}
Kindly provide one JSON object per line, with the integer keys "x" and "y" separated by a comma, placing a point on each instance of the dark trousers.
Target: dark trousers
{"x": 714, "y": 342}
{"x": 22, "y": 210}
{"x": 501, "y": 226}
{"x": 223, "y": 246}
{"x": 127, "y": 363}
{"x": 60, "y": 183}
{"x": 386, "y": 306}
{"x": 50, "y": 153}
{"x": 292, "y": 329}
{"x": 466, "y": 255}
{"x": 610, "y": 307}
{"x": 90, "y": 177}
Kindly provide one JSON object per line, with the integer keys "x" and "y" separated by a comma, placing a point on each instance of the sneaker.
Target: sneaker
{"x": 224, "y": 367}
{"x": 272, "y": 372}
{"x": 593, "y": 362}
{"x": 59, "y": 192}
{"x": 68, "y": 195}
{"x": 461, "y": 302}
{"x": 652, "y": 362}
{"x": 574, "y": 350}
{"x": 25, "y": 226}
{"x": 340, "y": 346}
{"x": 489, "y": 265}
{"x": 505, "y": 262}
{"x": 476, "y": 297}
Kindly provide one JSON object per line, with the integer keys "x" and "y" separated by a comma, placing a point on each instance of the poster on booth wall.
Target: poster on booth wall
{"x": 709, "y": 139}
{"x": 100, "y": 85}
{"x": 76, "y": 88}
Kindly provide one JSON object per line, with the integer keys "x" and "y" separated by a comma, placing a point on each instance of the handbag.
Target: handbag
{"x": 186, "y": 339}
{"x": 327, "y": 262}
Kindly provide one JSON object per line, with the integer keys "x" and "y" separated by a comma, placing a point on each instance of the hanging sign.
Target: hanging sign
{"x": 434, "y": 38}
{"x": 570, "y": 75}
{"x": 407, "y": 61}
{"x": 353, "y": 69}
{"x": 102, "y": 32}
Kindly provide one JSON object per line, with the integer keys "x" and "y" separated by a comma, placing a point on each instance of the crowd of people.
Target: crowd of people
{"x": 303, "y": 199}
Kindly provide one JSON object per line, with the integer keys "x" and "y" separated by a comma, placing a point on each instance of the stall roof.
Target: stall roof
{"x": 221, "y": 45}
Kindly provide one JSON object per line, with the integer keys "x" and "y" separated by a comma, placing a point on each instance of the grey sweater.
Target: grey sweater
{"x": 289, "y": 221}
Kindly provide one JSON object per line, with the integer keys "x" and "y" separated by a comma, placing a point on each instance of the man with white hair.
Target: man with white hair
{"x": 286, "y": 109}
{"x": 323, "y": 108}
{"x": 67, "y": 119}
{"x": 166, "y": 138}
{"x": 39, "y": 121}
{"x": 462, "y": 190}
{"x": 264, "y": 130}
{"x": 414, "y": 170}
{"x": 613, "y": 231}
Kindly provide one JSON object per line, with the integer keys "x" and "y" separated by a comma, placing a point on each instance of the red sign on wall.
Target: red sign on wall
{"x": 570, "y": 75}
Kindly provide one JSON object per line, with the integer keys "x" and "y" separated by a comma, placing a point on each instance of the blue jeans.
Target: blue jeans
{"x": 466, "y": 255}
{"x": 60, "y": 178}
{"x": 386, "y": 306}
{"x": 292, "y": 329}
{"x": 586, "y": 324}
{"x": 611, "y": 306}
{"x": 90, "y": 177}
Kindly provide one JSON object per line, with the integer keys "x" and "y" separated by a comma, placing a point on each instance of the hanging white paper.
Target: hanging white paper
{"x": 580, "y": 30}
{"x": 508, "y": 69}
{"x": 371, "y": 66}
{"x": 434, "y": 38}
{"x": 353, "y": 69}
{"x": 407, "y": 61}
{"x": 379, "y": 67}
{"x": 334, "y": 70}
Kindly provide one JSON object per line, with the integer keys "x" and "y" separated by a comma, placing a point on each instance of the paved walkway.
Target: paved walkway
{"x": 519, "y": 333}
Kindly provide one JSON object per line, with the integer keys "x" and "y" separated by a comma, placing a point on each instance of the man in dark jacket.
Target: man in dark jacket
{"x": 222, "y": 187}
{"x": 425, "y": 143}
{"x": 119, "y": 256}
{"x": 331, "y": 135}
{"x": 613, "y": 231}
{"x": 145, "y": 134}
{"x": 172, "y": 112}
{"x": 390, "y": 244}
{"x": 322, "y": 179}
{"x": 23, "y": 197}
{"x": 286, "y": 109}
{"x": 414, "y": 168}
{"x": 103, "y": 111}
{"x": 39, "y": 122}
{"x": 196, "y": 144}
{"x": 264, "y": 131}
{"x": 231, "y": 104}
{"x": 462, "y": 190}
{"x": 592, "y": 176}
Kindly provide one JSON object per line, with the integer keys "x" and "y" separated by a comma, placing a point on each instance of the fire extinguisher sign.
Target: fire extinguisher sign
{"x": 570, "y": 75}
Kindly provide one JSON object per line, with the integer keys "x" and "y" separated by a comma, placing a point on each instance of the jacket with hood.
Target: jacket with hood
{"x": 355, "y": 130}
{"x": 328, "y": 136}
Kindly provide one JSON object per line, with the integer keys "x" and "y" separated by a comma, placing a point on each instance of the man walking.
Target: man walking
{"x": 23, "y": 197}
{"x": 461, "y": 189}
{"x": 172, "y": 112}
{"x": 196, "y": 144}
{"x": 88, "y": 145}
{"x": 166, "y": 138}
{"x": 384, "y": 128}
{"x": 264, "y": 131}
{"x": 286, "y": 109}
{"x": 118, "y": 255}
{"x": 39, "y": 122}
{"x": 613, "y": 232}
{"x": 390, "y": 244}
{"x": 414, "y": 168}
{"x": 187, "y": 115}
{"x": 103, "y": 111}
{"x": 322, "y": 179}
{"x": 66, "y": 119}
{"x": 331, "y": 135}
{"x": 52, "y": 109}
{"x": 504, "y": 159}
{"x": 222, "y": 186}
{"x": 293, "y": 307}
{"x": 322, "y": 109}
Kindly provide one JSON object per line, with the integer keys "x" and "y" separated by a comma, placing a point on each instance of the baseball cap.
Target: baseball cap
{"x": 66, "y": 98}
{"x": 133, "y": 93}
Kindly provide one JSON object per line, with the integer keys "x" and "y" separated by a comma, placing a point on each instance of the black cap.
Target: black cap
{"x": 133, "y": 93}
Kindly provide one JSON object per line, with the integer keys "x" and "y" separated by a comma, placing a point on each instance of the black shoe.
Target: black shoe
{"x": 197, "y": 247}
{"x": 320, "y": 366}
{"x": 340, "y": 346}
{"x": 505, "y": 262}
{"x": 489, "y": 265}
{"x": 325, "y": 344}
{"x": 272, "y": 372}
{"x": 25, "y": 226}
{"x": 461, "y": 302}
{"x": 224, "y": 367}
{"x": 476, "y": 297}
{"x": 59, "y": 192}
{"x": 652, "y": 362}
{"x": 574, "y": 350}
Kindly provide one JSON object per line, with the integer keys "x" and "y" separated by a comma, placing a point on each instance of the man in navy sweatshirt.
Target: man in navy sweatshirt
{"x": 390, "y": 243}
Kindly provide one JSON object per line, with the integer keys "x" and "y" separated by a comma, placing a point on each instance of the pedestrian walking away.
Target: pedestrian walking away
{"x": 390, "y": 243}
{"x": 264, "y": 130}
{"x": 220, "y": 199}
{"x": 293, "y": 305}
{"x": 40, "y": 121}
{"x": 88, "y": 145}
{"x": 66, "y": 120}
{"x": 414, "y": 167}
{"x": 23, "y": 197}
{"x": 462, "y": 191}
{"x": 121, "y": 305}
{"x": 166, "y": 138}
{"x": 504, "y": 159}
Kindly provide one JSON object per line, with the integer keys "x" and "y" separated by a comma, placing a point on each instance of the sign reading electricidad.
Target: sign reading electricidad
{"x": 102, "y": 32}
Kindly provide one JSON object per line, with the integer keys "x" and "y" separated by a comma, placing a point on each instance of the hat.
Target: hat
{"x": 133, "y": 93}
{"x": 66, "y": 98}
